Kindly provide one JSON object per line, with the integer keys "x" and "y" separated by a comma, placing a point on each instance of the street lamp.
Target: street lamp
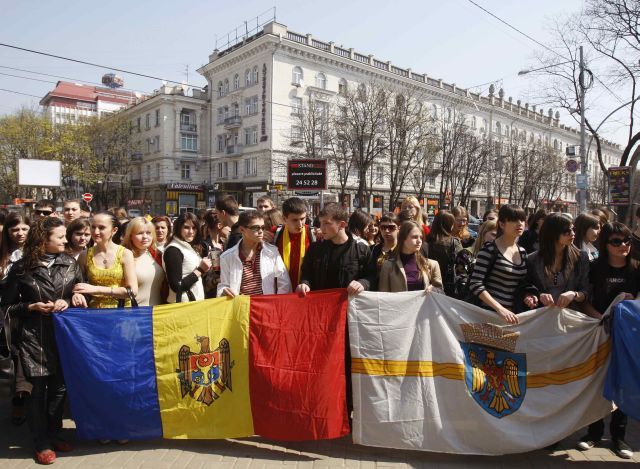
{"x": 583, "y": 85}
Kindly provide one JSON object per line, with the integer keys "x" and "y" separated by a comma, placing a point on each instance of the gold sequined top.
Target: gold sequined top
{"x": 111, "y": 277}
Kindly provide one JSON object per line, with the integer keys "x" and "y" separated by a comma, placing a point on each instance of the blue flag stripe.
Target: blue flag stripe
{"x": 108, "y": 363}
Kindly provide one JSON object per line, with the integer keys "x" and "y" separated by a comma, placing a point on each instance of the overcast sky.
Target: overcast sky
{"x": 452, "y": 40}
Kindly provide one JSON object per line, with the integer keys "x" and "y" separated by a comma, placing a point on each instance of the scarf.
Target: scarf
{"x": 286, "y": 249}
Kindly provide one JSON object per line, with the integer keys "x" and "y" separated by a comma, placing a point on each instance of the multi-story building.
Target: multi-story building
{"x": 171, "y": 171}
{"x": 68, "y": 103}
{"x": 258, "y": 85}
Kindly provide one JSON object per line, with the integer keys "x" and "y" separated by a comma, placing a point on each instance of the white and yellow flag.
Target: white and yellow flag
{"x": 435, "y": 374}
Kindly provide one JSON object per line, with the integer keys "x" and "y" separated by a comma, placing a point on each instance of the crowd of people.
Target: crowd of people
{"x": 512, "y": 264}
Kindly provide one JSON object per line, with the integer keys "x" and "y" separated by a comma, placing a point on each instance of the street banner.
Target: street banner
{"x": 623, "y": 379}
{"x": 221, "y": 368}
{"x": 436, "y": 374}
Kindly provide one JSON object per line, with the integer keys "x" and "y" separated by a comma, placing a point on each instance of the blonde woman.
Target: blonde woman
{"x": 412, "y": 205}
{"x": 109, "y": 268}
{"x": 407, "y": 269}
{"x": 140, "y": 238}
{"x": 487, "y": 234}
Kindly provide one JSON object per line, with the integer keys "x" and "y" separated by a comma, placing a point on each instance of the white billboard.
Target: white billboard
{"x": 40, "y": 173}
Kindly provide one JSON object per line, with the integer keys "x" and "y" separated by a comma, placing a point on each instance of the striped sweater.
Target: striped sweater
{"x": 504, "y": 277}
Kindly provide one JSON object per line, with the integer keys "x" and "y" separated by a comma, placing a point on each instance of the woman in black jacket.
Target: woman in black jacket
{"x": 39, "y": 285}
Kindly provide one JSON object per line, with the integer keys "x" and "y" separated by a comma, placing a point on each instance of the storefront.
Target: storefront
{"x": 182, "y": 198}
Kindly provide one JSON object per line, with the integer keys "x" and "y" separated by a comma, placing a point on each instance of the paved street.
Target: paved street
{"x": 15, "y": 452}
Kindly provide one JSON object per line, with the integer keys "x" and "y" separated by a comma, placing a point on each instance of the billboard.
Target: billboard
{"x": 306, "y": 175}
{"x": 39, "y": 173}
{"x": 620, "y": 185}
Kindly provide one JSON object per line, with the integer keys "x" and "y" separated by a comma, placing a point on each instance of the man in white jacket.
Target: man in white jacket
{"x": 252, "y": 267}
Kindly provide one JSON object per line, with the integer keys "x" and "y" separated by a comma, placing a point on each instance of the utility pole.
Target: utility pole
{"x": 584, "y": 164}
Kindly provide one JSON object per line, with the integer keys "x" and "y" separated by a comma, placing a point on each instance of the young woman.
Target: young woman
{"x": 389, "y": 225}
{"x": 501, "y": 268}
{"x": 408, "y": 269}
{"x": 185, "y": 260}
{"x": 487, "y": 234}
{"x": 162, "y": 223}
{"x": 587, "y": 229}
{"x": 444, "y": 247}
{"x": 357, "y": 226}
{"x": 529, "y": 239}
{"x": 39, "y": 285}
{"x": 559, "y": 270}
{"x": 78, "y": 237}
{"x": 612, "y": 273}
{"x": 461, "y": 227}
{"x": 413, "y": 205}
{"x": 139, "y": 237}
{"x": 372, "y": 233}
{"x": 490, "y": 215}
{"x": 14, "y": 235}
{"x": 109, "y": 269}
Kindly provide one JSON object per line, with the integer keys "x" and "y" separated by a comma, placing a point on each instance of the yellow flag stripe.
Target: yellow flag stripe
{"x": 430, "y": 369}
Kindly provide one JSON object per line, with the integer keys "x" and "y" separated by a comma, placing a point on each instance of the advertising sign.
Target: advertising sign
{"x": 306, "y": 175}
{"x": 620, "y": 185}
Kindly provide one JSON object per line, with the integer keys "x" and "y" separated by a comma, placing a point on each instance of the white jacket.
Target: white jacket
{"x": 275, "y": 278}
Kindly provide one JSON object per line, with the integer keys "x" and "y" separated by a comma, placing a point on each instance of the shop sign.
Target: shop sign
{"x": 178, "y": 186}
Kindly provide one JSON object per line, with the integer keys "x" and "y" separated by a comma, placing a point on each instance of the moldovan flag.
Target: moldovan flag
{"x": 220, "y": 368}
{"x": 436, "y": 374}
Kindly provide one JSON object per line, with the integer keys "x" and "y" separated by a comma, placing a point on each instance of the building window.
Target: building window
{"x": 225, "y": 172}
{"x": 138, "y": 123}
{"x": 296, "y": 134}
{"x": 498, "y": 128}
{"x": 157, "y": 117}
{"x": 254, "y": 75}
{"x": 220, "y": 115}
{"x": 236, "y": 168}
{"x": 220, "y": 145}
{"x": 148, "y": 173}
{"x": 220, "y": 170}
{"x": 220, "y": 89}
{"x": 247, "y": 78}
{"x": 296, "y": 106}
{"x": 251, "y": 135}
{"x": 157, "y": 170}
{"x": 236, "y": 81}
{"x": 297, "y": 76}
{"x": 185, "y": 171}
{"x": 189, "y": 142}
{"x": 236, "y": 109}
{"x": 379, "y": 174}
{"x": 147, "y": 122}
{"x": 342, "y": 86}
{"x": 149, "y": 146}
{"x": 226, "y": 86}
{"x": 157, "y": 138}
{"x": 321, "y": 81}
{"x": 225, "y": 113}
{"x": 431, "y": 180}
{"x": 251, "y": 105}
{"x": 185, "y": 118}
{"x": 474, "y": 122}
{"x": 251, "y": 167}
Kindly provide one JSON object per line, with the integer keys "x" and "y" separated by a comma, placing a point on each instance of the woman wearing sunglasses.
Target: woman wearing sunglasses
{"x": 559, "y": 270}
{"x": 613, "y": 273}
{"x": 388, "y": 227}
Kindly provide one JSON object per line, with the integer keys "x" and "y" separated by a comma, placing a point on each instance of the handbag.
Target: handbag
{"x": 134, "y": 302}
{"x": 6, "y": 360}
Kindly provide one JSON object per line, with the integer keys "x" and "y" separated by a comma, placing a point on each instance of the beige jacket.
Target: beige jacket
{"x": 394, "y": 279}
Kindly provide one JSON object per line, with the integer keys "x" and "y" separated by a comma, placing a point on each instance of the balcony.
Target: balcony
{"x": 136, "y": 157}
{"x": 188, "y": 127}
{"x": 234, "y": 150}
{"x": 233, "y": 122}
{"x": 136, "y": 182}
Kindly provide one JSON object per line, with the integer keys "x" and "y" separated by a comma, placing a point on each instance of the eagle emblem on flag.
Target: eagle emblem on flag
{"x": 495, "y": 377}
{"x": 205, "y": 375}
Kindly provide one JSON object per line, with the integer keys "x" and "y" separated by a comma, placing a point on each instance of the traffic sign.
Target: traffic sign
{"x": 87, "y": 197}
{"x": 582, "y": 181}
{"x": 572, "y": 165}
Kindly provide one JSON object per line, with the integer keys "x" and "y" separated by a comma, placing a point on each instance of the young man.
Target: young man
{"x": 71, "y": 210}
{"x": 44, "y": 208}
{"x": 264, "y": 204}
{"x": 338, "y": 261}
{"x": 252, "y": 267}
{"x": 226, "y": 210}
{"x": 294, "y": 237}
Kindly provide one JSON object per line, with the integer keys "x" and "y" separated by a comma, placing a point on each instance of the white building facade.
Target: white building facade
{"x": 257, "y": 86}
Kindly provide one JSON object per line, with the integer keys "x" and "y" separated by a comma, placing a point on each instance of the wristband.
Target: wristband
{"x": 201, "y": 270}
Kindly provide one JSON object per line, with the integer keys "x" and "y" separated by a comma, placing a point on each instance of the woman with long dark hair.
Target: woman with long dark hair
{"x": 559, "y": 270}
{"x": 529, "y": 239}
{"x": 162, "y": 224}
{"x": 109, "y": 268}
{"x": 611, "y": 274}
{"x": 444, "y": 248}
{"x": 587, "y": 228}
{"x": 14, "y": 235}
{"x": 39, "y": 285}
{"x": 185, "y": 260}
{"x": 407, "y": 269}
{"x": 500, "y": 272}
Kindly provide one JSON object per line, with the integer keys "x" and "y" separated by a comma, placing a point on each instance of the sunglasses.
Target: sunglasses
{"x": 46, "y": 213}
{"x": 388, "y": 228}
{"x": 619, "y": 241}
{"x": 256, "y": 228}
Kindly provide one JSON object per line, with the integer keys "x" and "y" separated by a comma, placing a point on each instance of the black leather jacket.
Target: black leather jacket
{"x": 36, "y": 341}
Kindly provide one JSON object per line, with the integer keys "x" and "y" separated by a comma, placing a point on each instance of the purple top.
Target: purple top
{"x": 414, "y": 279}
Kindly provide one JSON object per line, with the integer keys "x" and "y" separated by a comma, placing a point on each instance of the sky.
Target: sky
{"x": 453, "y": 40}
